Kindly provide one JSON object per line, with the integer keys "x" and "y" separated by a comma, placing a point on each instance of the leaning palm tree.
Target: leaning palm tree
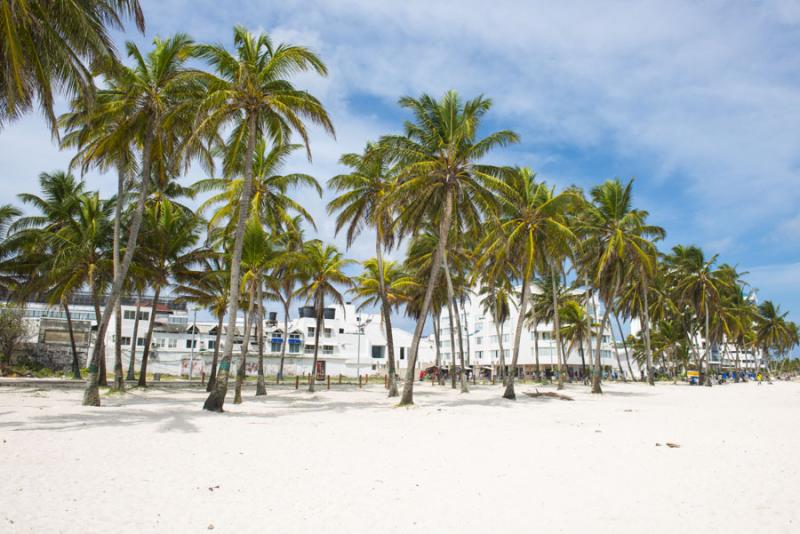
{"x": 616, "y": 234}
{"x": 440, "y": 174}
{"x": 531, "y": 230}
{"x": 251, "y": 95}
{"x": 50, "y": 46}
{"x": 363, "y": 203}
{"x": 322, "y": 272}
{"x": 698, "y": 285}
{"x": 168, "y": 238}
{"x": 156, "y": 95}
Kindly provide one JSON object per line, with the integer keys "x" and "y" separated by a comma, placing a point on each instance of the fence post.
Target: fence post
{"x": 297, "y": 382}
{"x": 329, "y": 381}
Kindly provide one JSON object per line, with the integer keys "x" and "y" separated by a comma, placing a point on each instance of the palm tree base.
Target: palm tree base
{"x": 91, "y": 395}
{"x": 214, "y": 402}
{"x": 509, "y": 392}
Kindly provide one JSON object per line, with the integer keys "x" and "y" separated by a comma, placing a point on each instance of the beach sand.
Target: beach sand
{"x": 349, "y": 461}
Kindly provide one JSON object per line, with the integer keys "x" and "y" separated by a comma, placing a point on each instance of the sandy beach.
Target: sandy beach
{"x": 349, "y": 461}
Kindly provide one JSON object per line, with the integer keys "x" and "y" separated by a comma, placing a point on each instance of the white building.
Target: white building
{"x": 482, "y": 346}
{"x": 350, "y": 342}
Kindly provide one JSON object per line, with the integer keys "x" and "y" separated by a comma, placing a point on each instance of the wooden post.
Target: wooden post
{"x": 340, "y": 378}
{"x": 359, "y": 380}
{"x": 385, "y": 381}
{"x": 329, "y": 381}
{"x": 308, "y": 378}
{"x": 297, "y": 382}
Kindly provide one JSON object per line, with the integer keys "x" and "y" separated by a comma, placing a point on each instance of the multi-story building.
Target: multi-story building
{"x": 482, "y": 344}
{"x": 350, "y": 342}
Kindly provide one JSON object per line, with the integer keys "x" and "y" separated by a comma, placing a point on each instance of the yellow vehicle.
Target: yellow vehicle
{"x": 693, "y": 377}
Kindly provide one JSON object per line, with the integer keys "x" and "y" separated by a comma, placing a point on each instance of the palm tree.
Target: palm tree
{"x": 698, "y": 285}
{"x": 155, "y": 95}
{"x": 496, "y": 293}
{"x": 168, "y": 237}
{"x": 322, "y": 271}
{"x": 363, "y": 203}
{"x": 57, "y": 207}
{"x": 207, "y": 287}
{"x": 530, "y": 232}
{"x": 439, "y": 174}
{"x": 773, "y": 332}
{"x": 52, "y": 45}
{"x": 617, "y": 234}
{"x": 576, "y": 328}
{"x": 544, "y": 306}
{"x": 251, "y": 94}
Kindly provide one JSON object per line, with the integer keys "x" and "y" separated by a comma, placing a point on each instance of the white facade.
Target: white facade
{"x": 350, "y": 342}
{"x": 483, "y": 348}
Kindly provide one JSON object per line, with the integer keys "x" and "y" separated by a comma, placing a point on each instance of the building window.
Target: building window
{"x": 479, "y": 354}
{"x": 276, "y": 346}
{"x": 402, "y": 353}
{"x": 478, "y": 340}
{"x": 327, "y": 332}
{"x": 161, "y": 342}
{"x": 212, "y": 343}
{"x": 140, "y": 342}
{"x": 312, "y": 331}
{"x": 445, "y": 344}
{"x": 294, "y": 349}
{"x": 327, "y": 349}
{"x": 191, "y": 343}
{"x": 506, "y": 337}
{"x": 129, "y": 315}
{"x": 309, "y": 349}
{"x": 173, "y": 343}
{"x": 377, "y": 351}
{"x": 341, "y": 330}
{"x": 546, "y": 336}
{"x": 125, "y": 341}
{"x": 493, "y": 353}
{"x": 294, "y": 336}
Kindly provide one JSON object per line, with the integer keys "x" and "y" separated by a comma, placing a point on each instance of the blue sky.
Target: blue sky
{"x": 700, "y": 101}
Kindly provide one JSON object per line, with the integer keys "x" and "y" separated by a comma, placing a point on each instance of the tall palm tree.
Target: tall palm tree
{"x": 322, "y": 272}
{"x": 698, "y": 285}
{"x": 773, "y": 332}
{"x": 576, "y": 328}
{"x": 207, "y": 287}
{"x": 496, "y": 293}
{"x": 250, "y": 93}
{"x": 440, "y": 174}
{"x": 168, "y": 237}
{"x": 155, "y": 96}
{"x": 50, "y": 46}
{"x": 617, "y": 234}
{"x": 530, "y": 231}
{"x": 363, "y": 203}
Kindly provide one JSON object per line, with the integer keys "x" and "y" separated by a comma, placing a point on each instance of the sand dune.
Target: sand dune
{"x": 349, "y": 461}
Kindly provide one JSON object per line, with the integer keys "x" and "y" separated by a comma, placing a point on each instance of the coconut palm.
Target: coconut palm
{"x": 168, "y": 237}
{"x": 50, "y": 46}
{"x": 773, "y": 332}
{"x": 322, "y": 271}
{"x": 531, "y": 232}
{"x": 251, "y": 95}
{"x": 576, "y": 328}
{"x": 363, "y": 202}
{"x": 698, "y": 285}
{"x": 440, "y": 174}
{"x": 207, "y": 287}
{"x": 496, "y": 293}
{"x": 144, "y": 101}
{"x": 617, "y": 235}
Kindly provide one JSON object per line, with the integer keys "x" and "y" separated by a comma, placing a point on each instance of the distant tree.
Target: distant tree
{"x": 13, "y": 332}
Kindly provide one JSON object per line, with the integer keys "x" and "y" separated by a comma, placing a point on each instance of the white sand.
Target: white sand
{"x": 348, "y": 461}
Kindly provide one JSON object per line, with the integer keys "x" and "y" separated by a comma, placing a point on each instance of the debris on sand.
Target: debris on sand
{"x": 552, "y": 394}
{"x": 670, "y": 445}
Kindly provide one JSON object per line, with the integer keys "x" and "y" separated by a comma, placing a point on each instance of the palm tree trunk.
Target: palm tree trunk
{"x": 598, "y": 361}
{"x": 509, "y": 391}
{"x": 285, "y": 337}
{"x": 76, "y": 365}
{"x": 132, "y": 363}
{"x": 216, "y": 399}
{"x": 557, "y": 327}
{"x": 651, "y": 376}
{"x": 119, "y": 381}
{"x": 261, "y": 386}
{"x": 91, "y": 395}
{"x": 320, "y": 304}
{"x": 536, "y": 348}
{"x": 588, "y": 296}
{"x": 241, "y": 371}
{"x": 708, "y": 345}
{"x": 624, "y": 345}
{"x": 452, "y": 344}
{"x": 498, "y": 327}
{"x": 452, "y": 299}
{"x": 148, "y": 338}
{"x": 212, "y": 378}
{"x": 466, "y": 330}
{"x": 387, "y": 318}
{"x": 436, "y": 338}
{"x": 444, "y": 230}
{"x": 102, "y": 379}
